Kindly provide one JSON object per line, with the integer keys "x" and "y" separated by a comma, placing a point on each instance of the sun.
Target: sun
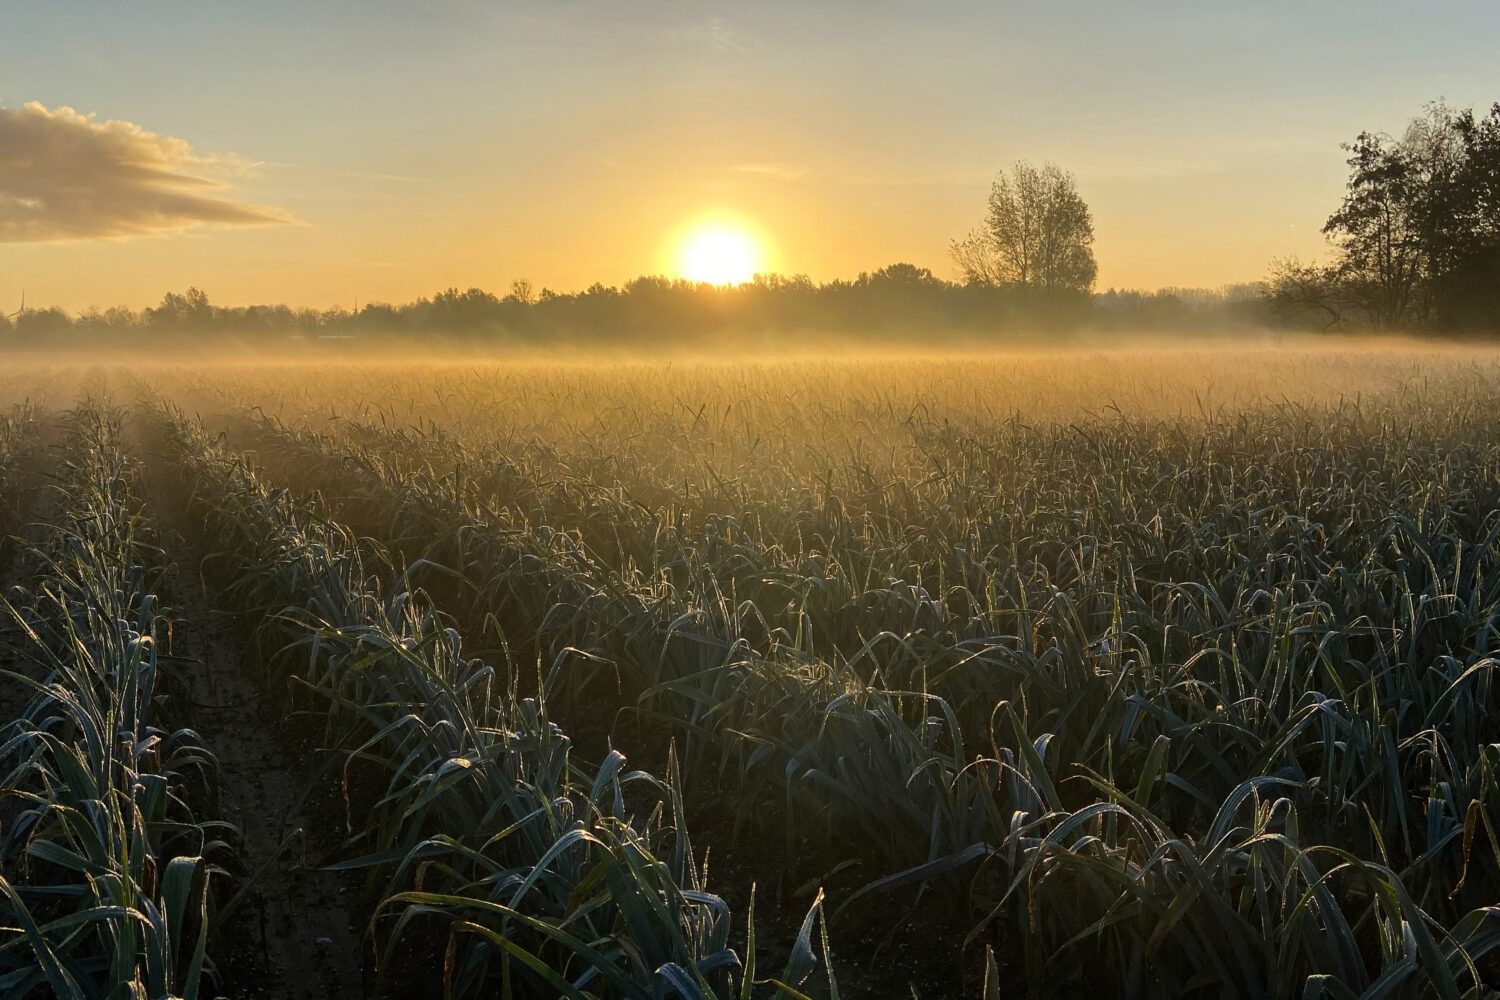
{"x": 719, "y": 255}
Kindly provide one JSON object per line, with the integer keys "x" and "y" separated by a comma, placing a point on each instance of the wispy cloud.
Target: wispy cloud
{"x": 774, "y": 171}
{"x": 713, "y": 35}
{"x": 67, "y": 176}
{"x": 718, "y": 35}
{"x": 363, "y": 175}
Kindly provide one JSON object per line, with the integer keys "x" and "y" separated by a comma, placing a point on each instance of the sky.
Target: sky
{"x": 328, "y": 153}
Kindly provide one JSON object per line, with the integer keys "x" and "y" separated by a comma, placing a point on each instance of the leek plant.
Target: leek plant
{"x": 108, "y": 850}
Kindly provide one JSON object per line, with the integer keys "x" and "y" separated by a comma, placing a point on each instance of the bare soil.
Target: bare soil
{"x": 295, "y": 932}
{"x": 292, "y": 931}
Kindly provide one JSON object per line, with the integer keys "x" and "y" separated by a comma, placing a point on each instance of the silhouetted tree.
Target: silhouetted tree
{"x": 1381, "y": 260}
{"x": 463, "y": 310}
{"x": 522, "y": 292}
{"x": 41, "y": 324}
{"x": 1301, "y": 294}
{"x": 900, "y": 275}
{"x": 1462, "y": 222}
{"x": 176, "y": 311}
{"x": 1417, "y": 238}
{"x": 1038, "y": 233}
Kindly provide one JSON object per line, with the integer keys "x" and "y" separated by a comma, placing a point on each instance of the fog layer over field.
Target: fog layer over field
{"x": 550, "y": 394}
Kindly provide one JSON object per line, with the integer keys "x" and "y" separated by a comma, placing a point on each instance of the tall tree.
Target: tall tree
{"x": 188, "y": 309}
{"x": 1418, "y": 233}
{"x": 1462, "y": 223}
{"x": 1037, "y": 233}
{"x": 1379, "y": 230}
{"x": 1375, "y": 231}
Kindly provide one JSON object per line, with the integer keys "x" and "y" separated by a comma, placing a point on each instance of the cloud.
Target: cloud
{"x": 720, "y": 36}
{"x": 66, "y": 176}
{"x": 712, "y": 34}
{"x": 774, "y": 171}
{"x": 360, "y": 175}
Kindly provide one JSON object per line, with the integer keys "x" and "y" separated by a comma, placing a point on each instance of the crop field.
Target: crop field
{"x": 1147, "y": 673}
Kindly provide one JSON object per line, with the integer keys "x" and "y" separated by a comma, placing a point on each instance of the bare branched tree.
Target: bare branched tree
{"x": 1308, "y": 294}
{"x": 1038, "y": 233}
{"x": 522, "y": 292}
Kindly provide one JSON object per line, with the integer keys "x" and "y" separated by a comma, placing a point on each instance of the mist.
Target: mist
{"x": 901, "y": 307}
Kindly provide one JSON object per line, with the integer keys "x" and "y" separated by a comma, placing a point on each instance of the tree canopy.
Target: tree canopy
{"x": 1416, "y": 241}
{"x": 1037, "y": 233}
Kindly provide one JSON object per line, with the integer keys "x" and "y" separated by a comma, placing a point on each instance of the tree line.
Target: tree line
{"x": 901, "y": 303}
{"x": 1416, "y": 241}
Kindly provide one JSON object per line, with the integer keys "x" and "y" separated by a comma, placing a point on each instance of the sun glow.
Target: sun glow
{"x": 721, "y": 255}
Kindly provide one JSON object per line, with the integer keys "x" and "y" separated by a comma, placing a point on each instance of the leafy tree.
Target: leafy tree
{"x": 42, "y": 323}
{"x": 900, "y": 275}
{"x": 1308, "y": 294}
{"x": 466, "y": 310}
{"x": 190, "y": 308}
{"x": 1462, "y": 223}
{"x": 1417, "y": 238}
{"x": 1385, "y": 230}
{"x": 1376, "y": 230}
{"x": 522, "y": 292}
{"x": 1038, "y": 233}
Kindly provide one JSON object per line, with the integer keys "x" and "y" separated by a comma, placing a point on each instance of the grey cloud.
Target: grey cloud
{"x": 67, "y": 176}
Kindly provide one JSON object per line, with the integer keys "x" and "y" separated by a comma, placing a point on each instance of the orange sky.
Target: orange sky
{"x": 322, "y": 153}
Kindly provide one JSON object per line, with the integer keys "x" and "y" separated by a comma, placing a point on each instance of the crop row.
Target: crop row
{"x": 17, "y": 433}
{"x": 474, "y": 816}
{"x": 111, "y": 840}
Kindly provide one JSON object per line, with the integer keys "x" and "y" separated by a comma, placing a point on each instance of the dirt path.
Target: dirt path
{"x": 295, "y": 932}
